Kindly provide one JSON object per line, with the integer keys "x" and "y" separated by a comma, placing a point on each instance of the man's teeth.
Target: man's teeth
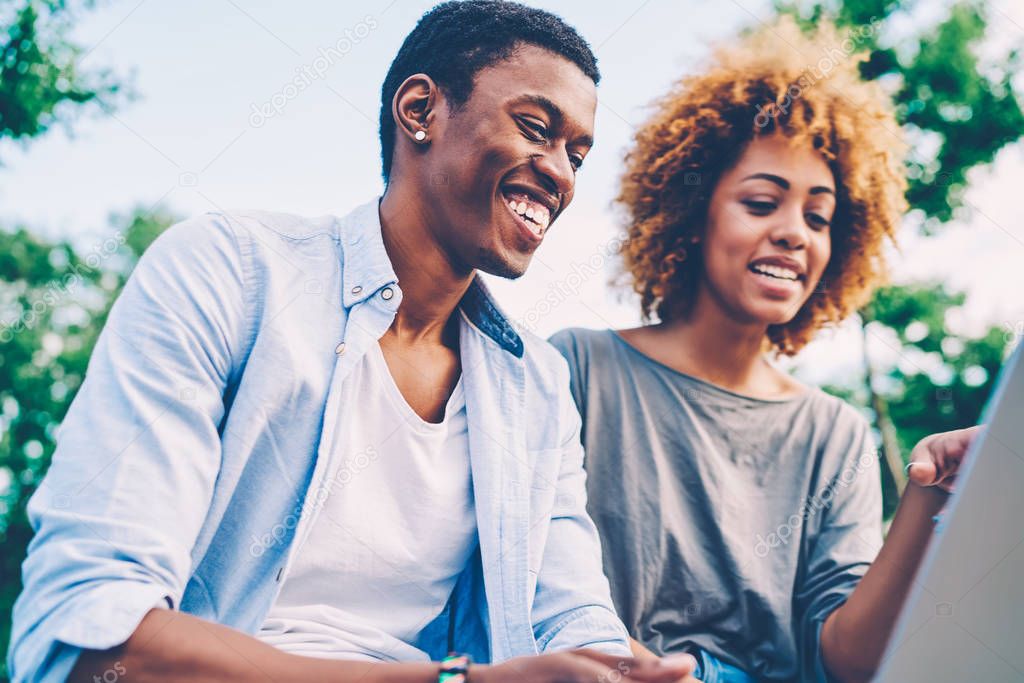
{"x": 776, "y": 271}
{"x": 536, "y": 214}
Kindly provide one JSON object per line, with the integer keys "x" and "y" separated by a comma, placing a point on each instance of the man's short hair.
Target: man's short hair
{"x": 454, "y": 41}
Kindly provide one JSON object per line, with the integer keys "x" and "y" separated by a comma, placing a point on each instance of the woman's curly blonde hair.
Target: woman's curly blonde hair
{"x": 774, "y": 80}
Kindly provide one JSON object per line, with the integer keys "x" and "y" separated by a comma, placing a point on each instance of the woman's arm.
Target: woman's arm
{"x": 854, "y": 636}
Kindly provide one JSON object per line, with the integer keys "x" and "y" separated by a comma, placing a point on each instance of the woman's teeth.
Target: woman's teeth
{"x": 535, "y": 216}
{"x": 775, "y": 271}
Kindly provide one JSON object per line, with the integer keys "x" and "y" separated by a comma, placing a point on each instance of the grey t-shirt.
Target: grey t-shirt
{"x": 729, "y": 523}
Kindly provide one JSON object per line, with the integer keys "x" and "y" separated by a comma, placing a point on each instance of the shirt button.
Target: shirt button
{"x": 387, "y": 293}
{"x": 357, "y": 289}
{"x": 340, "y": 348}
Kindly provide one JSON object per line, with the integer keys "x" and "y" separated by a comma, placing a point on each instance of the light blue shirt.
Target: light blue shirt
{"x": 186, "y": 463}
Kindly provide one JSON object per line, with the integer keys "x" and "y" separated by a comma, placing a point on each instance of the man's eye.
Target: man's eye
{"x": 534, "y": 130}
{"x": 759, "y": 207}
{"x": 576, "y": 160}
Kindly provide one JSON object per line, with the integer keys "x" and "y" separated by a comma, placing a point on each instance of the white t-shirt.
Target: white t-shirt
{"x": 385, "y": 549}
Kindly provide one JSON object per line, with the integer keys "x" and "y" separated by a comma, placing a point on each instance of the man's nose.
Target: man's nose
{"x": 555, "y": 168}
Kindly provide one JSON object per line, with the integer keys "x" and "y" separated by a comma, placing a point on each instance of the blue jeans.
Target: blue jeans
{"x": 710, "y": 669}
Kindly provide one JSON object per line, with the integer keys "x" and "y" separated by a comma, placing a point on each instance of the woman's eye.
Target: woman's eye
{"x": 818, "y": 221}
{"x": 759, "y": 207}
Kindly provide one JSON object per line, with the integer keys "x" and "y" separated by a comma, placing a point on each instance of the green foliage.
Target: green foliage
{"x": 943, "y": 92}
{"x": 40, "y": 82}
{"x": 944, "y": 378}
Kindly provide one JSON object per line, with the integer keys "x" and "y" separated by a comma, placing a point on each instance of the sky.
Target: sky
{"x": 215, "y": 124}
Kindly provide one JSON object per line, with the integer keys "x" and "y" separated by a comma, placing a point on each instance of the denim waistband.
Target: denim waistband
{"x": 710, "y": 669}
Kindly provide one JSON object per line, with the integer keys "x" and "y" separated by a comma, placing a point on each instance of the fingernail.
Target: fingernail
{"x": 679, "y": 660}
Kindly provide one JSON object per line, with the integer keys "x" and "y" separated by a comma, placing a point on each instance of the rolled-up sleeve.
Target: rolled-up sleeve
{"x": 137, "y": 455}
{"x": 573, "y": 605}
{"x": 844, "y": 546}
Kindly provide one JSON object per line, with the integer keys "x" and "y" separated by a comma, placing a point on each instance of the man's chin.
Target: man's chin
{"x": 502, "y": 266}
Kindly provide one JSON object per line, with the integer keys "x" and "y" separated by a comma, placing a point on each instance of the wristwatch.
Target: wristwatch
{"x": 454, "y": 669}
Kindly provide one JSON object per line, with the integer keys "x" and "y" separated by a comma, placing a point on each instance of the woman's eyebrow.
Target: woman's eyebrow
{"x": 784, "y": 184}
{"x": 778, "y": 180}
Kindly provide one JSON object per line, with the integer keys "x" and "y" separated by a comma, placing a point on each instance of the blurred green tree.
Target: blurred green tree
{"x": 40, "y": 81}
{"x": 942, "y": 376}
{"x": 957, "y": 112}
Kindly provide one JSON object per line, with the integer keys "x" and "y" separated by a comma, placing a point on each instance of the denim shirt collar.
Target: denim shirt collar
{"x": 367, "y": 269}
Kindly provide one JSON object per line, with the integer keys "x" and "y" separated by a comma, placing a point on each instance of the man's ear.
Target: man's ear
{"x": 413, "y": 106}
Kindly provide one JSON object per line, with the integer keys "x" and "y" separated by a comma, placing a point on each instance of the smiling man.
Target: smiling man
{"x": 314, "y": 449}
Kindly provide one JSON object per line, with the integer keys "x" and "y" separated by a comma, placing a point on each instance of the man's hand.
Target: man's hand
{"x": 936, "y": 459}
{"x": 587, "y": 666}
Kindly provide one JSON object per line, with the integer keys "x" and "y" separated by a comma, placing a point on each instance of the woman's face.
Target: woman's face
{"x": 768, "y": 239}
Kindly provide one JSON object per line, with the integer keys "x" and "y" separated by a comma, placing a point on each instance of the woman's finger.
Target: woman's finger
{"x": 922, "y": 472}
{"x": 937, "y": 458}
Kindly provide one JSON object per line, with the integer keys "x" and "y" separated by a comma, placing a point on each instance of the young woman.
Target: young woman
{"x": 740, "y": 510}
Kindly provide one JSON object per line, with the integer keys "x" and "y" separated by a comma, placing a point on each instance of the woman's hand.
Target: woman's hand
{"x": 936, "y": 459}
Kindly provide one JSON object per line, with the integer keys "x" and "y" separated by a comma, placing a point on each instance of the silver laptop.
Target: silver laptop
{"x": 964, "y": 617}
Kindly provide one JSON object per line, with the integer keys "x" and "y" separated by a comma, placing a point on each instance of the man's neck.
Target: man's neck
{"x": 431, "y": 286}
